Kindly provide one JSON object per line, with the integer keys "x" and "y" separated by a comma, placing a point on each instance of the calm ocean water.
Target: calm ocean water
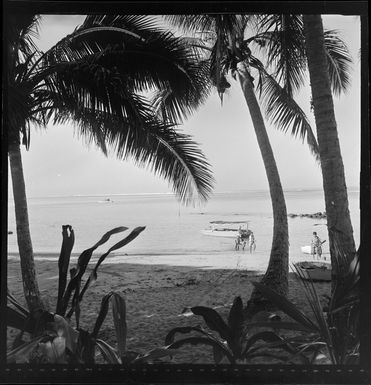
{"x": 171, "y": 228}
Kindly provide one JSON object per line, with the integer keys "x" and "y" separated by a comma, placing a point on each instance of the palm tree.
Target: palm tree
{"x": 99, "y": 77}
{"x": 336, "y": 197}
{"x": 328, "y": 61}
{"x": 230, "y": 53}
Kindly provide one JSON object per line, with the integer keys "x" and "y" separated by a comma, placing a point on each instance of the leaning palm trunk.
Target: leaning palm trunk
{"x": 276, "y": 275}
{"x": 30, "y": 286}
{"x": 336, "y": 198}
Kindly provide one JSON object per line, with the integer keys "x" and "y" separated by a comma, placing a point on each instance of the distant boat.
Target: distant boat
{"x": 225, "y": 229}
{"x": 106, "y": 200}
{"x": 314, "y": 270}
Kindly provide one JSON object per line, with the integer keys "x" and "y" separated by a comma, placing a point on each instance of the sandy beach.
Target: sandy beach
{"x": 156, "y": 296}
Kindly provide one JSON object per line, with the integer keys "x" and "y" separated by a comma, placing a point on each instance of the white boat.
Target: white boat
{"x": 306, "y": 249}
{"x": 226, "y": 229}
{"x": 314, "y": 270}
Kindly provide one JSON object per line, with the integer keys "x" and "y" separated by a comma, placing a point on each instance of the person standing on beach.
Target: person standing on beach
{"x": 316, "y": 246}
{"x": 252, "y": 244}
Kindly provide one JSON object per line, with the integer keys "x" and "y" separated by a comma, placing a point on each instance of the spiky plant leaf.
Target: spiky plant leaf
{"x": 63, "y": 262}
{"x": 93, "y": 275}
{"x": 154, "y": 355}
{"x": 285, "y": 305}
{"x": 64, "y": 329}
{"x": 20, "y": 309}
{"x": 82, "y": 263}
{"x": 119, "y": 321}
{"x": 102, "y": 314}
{"x": 236, "y": 326}
{"x": 108, "y": 352}
{"x": 213, "y": 320}
{"x": 269, "y": 337}
{"x": 170, "y": 336}
{"x": 21, "y": 354}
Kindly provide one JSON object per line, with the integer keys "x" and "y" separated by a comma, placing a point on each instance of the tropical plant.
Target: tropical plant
{"x": 235, "y": 340}
{"x": 52, "y": 337}
{"x": 100, "y": 77}
{"x": 334, "y": 185}
{"x": 332, "y": 334}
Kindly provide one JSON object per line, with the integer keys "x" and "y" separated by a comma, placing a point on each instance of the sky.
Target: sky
{"x": 59, "y": 163}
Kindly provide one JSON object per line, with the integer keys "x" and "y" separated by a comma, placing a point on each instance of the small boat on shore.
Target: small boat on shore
{"x": 305, "y": 249}
{"x": 225, "y": 229}
{"x": 314, "y": 270}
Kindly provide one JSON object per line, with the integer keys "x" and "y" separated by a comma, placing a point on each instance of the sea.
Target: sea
{"x": 172, "y": 234}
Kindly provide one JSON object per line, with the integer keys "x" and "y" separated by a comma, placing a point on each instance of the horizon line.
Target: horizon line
{"x": 169, "y": 193}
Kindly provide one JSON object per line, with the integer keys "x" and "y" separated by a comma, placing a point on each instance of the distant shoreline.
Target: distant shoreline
{"x": 153, "y": 194}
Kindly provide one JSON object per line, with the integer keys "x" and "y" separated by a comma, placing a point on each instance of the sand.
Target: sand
{"x": 156, "y": 296}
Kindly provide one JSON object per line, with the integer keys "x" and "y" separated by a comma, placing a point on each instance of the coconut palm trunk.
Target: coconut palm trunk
{"x": 276, "y": 275}
{"x": 30, "y": 286}
{"x": 336, "y": 198}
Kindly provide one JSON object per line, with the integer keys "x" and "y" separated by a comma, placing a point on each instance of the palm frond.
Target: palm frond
{"x": 282, "y": 110}
{"x": 172, "y": 106}
{"x": 150, "y": 143}
{"x": 202, "y": 24}
{"x": 281, "y": 37}
{"x": 157, "y": 63}
{"x": 339, "y": 62}
{"x": 22, "y": 30}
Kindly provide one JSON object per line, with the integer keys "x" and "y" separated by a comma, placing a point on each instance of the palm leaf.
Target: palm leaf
{"x": 202, "y": 23}
{"x": 173, "y": 64}
{"x": 284, "y": 112}
{"x": 136, "y": 133}
{"x": 339, "y": 62}
{"x": 284, "y": 47}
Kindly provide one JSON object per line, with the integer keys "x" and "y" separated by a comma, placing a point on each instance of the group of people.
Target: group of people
{"x": 243, "y": 237}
